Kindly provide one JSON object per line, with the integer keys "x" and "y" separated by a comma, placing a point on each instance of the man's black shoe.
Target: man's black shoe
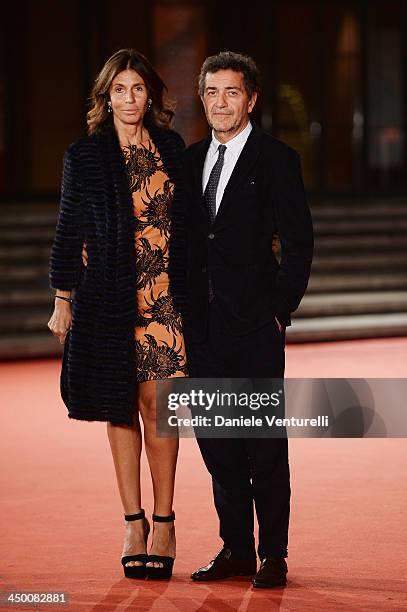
{"x": 225, "y": 565}
{"x": 272, "y": 573}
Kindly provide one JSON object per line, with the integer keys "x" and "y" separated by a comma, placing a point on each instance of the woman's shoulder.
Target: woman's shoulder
{"x": 82, "y": 143}
{"x": 80, "y": 146}
{"x": 81, "y": 149}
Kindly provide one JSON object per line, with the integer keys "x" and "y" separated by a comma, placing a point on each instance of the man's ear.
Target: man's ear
{"x": 252, "y": 101}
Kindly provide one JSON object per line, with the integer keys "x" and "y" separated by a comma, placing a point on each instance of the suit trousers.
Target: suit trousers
{"x": 245, "y": 470}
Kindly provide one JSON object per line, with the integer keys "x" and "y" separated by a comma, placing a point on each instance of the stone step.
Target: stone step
{"x": 22, "y": 219}
{"x": 29, "y": 207}
{"x": 353, "y": 244}
{"x": 357, "y": 262}
{"x": 339, "y": 304}
{"x": 323, "y": 283}
{"x": 29, "y": 345}
{"x": 24, "y": 271}
{"x": 28, "y": 235}
{"x": 15, "y": 284}
{"x": 360, "y": 226}
{"x": 18, "y": 254}
{"x": 347, "y": 327}
{"x": 25, "y": 296}
{"x": 26, "y": 319}
{"x": 365, "y": 210}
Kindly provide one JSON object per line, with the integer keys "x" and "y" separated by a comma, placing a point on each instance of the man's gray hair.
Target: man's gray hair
{"x": 228, "y": 60}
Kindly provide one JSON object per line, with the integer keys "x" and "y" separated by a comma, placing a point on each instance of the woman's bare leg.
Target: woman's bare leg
{"x": 162, "y": 456}
{"x": 125, "y": 443}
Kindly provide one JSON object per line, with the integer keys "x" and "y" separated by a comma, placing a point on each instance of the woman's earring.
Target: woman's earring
{"x": 109, "y": 107}
{"x": 149, "y": 104}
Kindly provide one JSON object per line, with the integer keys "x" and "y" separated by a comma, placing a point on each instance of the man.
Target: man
{"x": 242, "y": 186}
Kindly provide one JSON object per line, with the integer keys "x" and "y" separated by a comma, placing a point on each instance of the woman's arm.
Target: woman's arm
{"x": 65, "y": 258}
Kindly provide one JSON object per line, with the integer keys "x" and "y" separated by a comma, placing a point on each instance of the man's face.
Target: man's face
{"x": 227, "y": 105}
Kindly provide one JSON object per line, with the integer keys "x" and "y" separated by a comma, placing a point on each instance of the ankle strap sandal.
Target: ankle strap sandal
{"x": 136, "y": 571}
{"x": 163, "y": 519}
{"x": 164, "y": 572}
{"x": 135, "y": 517}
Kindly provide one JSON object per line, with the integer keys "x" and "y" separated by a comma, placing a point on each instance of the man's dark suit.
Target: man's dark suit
{"x": 236, "y": 335}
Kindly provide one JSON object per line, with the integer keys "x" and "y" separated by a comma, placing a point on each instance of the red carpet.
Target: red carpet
{"x": 62, "y": 518}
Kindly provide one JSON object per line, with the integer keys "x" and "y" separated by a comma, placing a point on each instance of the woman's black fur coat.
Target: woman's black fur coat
{"x": 98, "y": 377}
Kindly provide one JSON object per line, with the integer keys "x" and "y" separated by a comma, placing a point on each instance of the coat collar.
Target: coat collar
{"x": 109, "y": 143}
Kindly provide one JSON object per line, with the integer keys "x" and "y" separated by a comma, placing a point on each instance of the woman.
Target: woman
{"x": 121, "y": 198}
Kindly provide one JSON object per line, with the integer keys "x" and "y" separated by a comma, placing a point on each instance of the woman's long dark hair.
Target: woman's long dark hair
{"x": 162, "y": 109}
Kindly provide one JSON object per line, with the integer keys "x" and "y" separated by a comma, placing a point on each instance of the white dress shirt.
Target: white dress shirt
{"x": 233, "y": 149}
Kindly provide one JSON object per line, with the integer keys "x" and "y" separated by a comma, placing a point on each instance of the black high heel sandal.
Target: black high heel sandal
{"x": 136, "y": 571}
{"x": 158, "y": 573}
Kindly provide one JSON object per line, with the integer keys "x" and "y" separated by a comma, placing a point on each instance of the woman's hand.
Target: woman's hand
{"x": 61, "y": 319}
{"x": 84, "y": 255}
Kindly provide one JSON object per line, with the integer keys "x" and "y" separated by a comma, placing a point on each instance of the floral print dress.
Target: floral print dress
{"x": 159, "y": 343}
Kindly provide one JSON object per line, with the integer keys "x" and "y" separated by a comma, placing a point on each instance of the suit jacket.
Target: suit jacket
{"x": 265, "y": 194}
{"x": 98, "y": 377}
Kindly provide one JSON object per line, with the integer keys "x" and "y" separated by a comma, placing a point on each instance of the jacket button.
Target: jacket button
{"x": 211, "y": 236}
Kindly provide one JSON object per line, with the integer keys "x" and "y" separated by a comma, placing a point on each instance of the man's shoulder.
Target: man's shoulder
{"x": 278, "y": 148}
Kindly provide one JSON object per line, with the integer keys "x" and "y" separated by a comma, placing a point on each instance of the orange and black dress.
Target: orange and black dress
{"x": 159, "y": 343}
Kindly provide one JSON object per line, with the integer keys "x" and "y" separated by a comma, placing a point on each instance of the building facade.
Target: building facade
{"x": 334, "y": 81}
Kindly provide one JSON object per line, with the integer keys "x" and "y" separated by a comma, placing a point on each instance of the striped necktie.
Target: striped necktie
{"x": 212, "y": 185}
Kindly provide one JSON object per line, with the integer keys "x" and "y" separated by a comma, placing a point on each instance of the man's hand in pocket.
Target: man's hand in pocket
{"x": 84, "y": 255}
{"x": 280, "y": 327}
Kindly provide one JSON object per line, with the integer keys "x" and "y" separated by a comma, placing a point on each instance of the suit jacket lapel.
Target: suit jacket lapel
{"x": 201, "y": 152}
{"x": 244, "y": 165}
